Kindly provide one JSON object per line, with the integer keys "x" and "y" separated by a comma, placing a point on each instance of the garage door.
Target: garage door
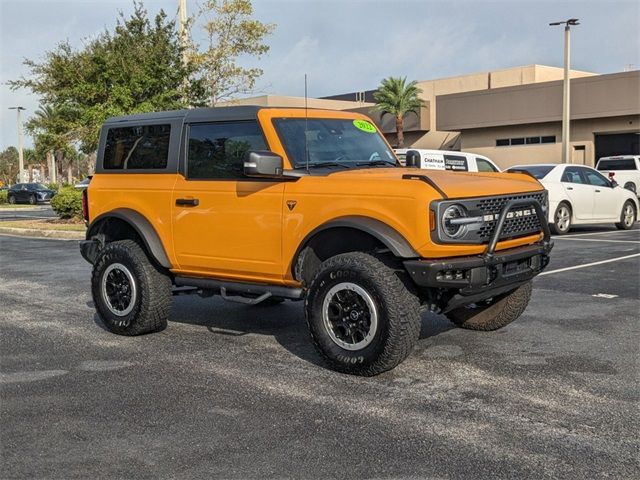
{"x": 611, "y": 144}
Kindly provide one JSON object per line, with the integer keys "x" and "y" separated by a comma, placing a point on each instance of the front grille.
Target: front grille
{"x": 513, "y": 227}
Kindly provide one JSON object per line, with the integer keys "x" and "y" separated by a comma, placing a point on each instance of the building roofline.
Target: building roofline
{"x": 529, "y": 86}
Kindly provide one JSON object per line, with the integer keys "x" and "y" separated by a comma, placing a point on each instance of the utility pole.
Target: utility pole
{"x": 182, "y": 28}
{"x": 566, "y": 90}
{"x": 20, "y": 141}
{"x": 183, "y": 33}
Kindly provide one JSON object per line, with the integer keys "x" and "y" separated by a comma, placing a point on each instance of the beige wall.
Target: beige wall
{"x": 592, "y": 97}
{"x": 483, "y": 140}
{"x": 437, "y": 137}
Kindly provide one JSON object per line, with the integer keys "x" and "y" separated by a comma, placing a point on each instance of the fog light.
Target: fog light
{"x": 448, "y": 275}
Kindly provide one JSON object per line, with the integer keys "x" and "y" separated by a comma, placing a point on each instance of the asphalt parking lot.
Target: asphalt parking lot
{"x": 238, "y": 392}
{"x": 36, "y": 212}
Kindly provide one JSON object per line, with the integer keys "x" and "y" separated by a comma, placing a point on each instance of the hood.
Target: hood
{"x": 452, "y": 184}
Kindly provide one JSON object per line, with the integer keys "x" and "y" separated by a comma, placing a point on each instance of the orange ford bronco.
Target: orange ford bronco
{"x": 262, "y": 205}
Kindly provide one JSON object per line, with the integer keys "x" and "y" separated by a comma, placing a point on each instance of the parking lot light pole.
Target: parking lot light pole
{"x": 566, "y": 93}
{"x": 20, "y": 141}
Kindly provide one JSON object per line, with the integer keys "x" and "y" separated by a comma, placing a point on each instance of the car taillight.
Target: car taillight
{"x": 85, "y": 205}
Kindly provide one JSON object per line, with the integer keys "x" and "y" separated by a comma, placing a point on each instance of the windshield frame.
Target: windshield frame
{"x": 392, "y": 162}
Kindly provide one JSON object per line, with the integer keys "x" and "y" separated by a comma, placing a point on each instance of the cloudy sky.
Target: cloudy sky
{"x": 351, "y": 45}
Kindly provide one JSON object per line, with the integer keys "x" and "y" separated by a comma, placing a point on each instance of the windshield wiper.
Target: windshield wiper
{"x": 322, "y": 165}
{"x": 374, "y": 163}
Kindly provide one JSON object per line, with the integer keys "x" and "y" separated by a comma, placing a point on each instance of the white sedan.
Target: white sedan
{"x": 580, "y": 195}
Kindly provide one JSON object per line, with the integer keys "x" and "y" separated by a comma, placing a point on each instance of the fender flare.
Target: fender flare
{"x": 143, "y": 228}
{"x": 387, "y": 235}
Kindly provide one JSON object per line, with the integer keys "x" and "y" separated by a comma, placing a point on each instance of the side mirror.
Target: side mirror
{"x": 614, "y": 184}
{"x": 412, "y": 159}
{"x": 262, "y": 163}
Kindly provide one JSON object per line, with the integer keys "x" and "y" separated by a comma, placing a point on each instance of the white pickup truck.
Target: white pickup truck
{"x": 624, "y": 169}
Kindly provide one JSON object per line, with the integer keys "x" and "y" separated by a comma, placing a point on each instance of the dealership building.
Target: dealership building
{"x": 512, "y": 116}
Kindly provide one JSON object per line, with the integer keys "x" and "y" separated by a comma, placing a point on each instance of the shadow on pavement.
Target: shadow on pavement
{"x": 284, "y": 322}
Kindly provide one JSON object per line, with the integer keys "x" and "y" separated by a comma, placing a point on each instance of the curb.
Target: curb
{"x": 22, "y": 209}
{"x": 37, "y": 233}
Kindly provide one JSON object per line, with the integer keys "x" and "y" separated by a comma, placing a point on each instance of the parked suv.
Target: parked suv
{"x": 262, "y": 205}
{"x": 29, "y": 193}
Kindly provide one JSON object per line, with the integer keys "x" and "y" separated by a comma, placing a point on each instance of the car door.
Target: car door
{"x": 22, "y": 193}
{"x": 226, "y": 224}
{"x": 606, "y": 205}
{"x": 580, "y": 194}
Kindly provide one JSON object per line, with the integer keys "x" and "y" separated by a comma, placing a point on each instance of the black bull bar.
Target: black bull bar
{"x": 491, "y": 273}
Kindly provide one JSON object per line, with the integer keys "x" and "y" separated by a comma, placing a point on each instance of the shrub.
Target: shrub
{"x": 53, "y": 186}
{"x": 67, "y": 203}
{"x": 3, "y": 196}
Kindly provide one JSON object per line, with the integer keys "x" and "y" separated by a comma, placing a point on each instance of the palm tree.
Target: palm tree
{"x": 397, "y": 97}
{"x": 53, "y": 135}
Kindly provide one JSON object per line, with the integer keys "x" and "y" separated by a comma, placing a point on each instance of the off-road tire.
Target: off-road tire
{"x": 398, "y": 314}
{"x": 500, "y": 311}
{"x": 153, "y": 299}
{"x": 622, "y": 225}
{"x": 12, "y": 199}
{"x": 554, "y": 226}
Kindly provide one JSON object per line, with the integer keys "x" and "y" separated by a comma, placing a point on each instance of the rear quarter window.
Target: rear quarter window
{"x": 137, "y": 147}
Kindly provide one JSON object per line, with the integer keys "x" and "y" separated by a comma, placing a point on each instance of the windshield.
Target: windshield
{"x": 36, "y": 186}
{"x": 333, "y": 142}
{"x": 538, "y": 172}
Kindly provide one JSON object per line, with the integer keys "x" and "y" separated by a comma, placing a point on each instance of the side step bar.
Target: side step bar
{"x": 243, "y": 291}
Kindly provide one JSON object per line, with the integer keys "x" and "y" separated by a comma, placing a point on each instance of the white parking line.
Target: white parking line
{"x": 590, "y": 264}
{"x": 598, "y": 233}
{"x": 595, "y": 240}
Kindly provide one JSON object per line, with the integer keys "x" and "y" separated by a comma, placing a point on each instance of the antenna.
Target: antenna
{"x": 306, "y": 124}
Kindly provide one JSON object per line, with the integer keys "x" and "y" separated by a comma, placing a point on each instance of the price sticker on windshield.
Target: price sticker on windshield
{"x": 364, "y": 126}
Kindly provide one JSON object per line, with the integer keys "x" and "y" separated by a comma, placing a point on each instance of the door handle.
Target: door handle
{"x": 597, "y": 191}
{"x": 569, "y": 188}
{"x": 187, "y": 202}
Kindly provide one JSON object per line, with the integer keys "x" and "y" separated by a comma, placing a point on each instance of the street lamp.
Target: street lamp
{"x": 566, "y": 86}
{"x": 20, "y": 153}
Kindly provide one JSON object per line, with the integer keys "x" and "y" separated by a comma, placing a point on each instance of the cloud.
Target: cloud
{"x": 351, "y": 45}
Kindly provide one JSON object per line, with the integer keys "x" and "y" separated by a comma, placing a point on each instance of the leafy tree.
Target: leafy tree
{"x": 136, "y": 68}
{"x": 397, "y": 97}
{"x": 9, "y": 165}
{"x": 232, "y": 34}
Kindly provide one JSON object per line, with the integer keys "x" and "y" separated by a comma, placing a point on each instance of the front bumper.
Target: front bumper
{"x": 475, "y": 278}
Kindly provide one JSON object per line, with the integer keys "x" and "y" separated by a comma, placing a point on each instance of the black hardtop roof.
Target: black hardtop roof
{"x": 238, "y": 112}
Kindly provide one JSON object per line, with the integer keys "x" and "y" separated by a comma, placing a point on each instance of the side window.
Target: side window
{"x": 572, "y": 175}
{"x": 456, "y": 162}
{"x": 484, "y": 166}
{"x": 217, "y": 150}
{"x": 134, "y": 148}
{"x": 596, "y": 179}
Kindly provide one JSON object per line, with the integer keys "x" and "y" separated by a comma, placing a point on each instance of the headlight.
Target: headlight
{"x": 451, "y": 225}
